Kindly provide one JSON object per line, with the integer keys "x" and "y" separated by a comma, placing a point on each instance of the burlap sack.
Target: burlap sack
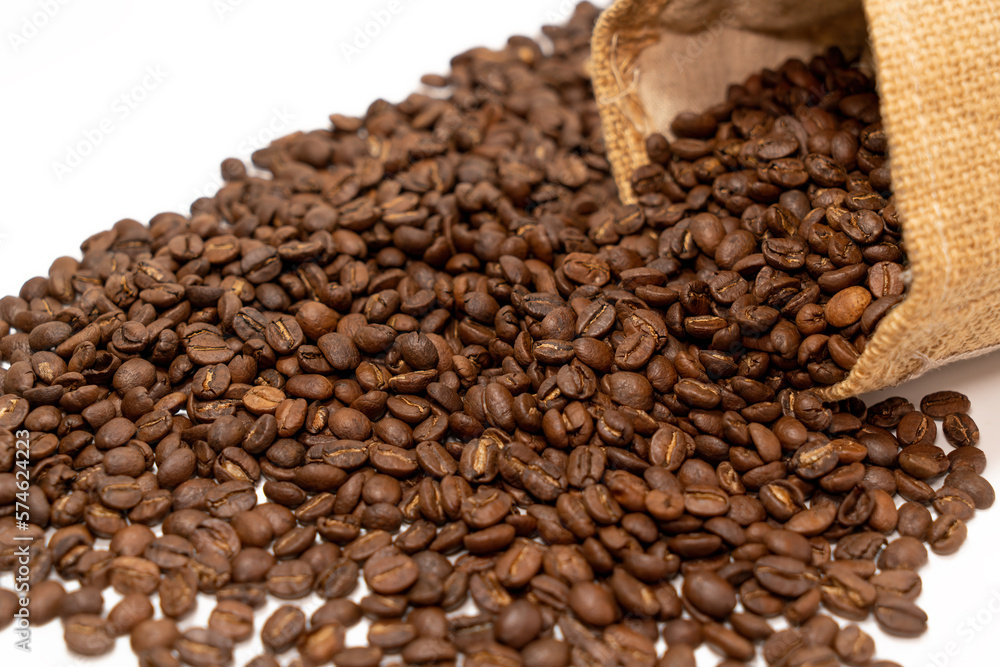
{"x": 938, "y": 69}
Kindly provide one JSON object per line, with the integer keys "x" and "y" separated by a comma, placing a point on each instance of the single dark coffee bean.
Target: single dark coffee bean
{"x": 290, "y": 579}
{"x": 785, "y": 576}
{"x": 320, "y": 644}
{"x": 888, "y": 413}
{"x": 943, "y": 403}
{"x": 45, "y": 601}
{"x": 946, "y": 534}
{"x": 390, "y": 571}
{"x": 518, "y": 624}
{"x": 156, "y": 633}
{"x": 916, "y": 428}
{"x": 232, "y": 619}
{"x": 200, "y": 647}
{"x": 360, "y": 656}
{"x": 130, "y": 574}
{"x": 900, "y": 616}
{"x": 130, "y": 611}
{"x": 709, "y": 593}
{"x": 977, "y": 486}
{"x": 960, "y": 430}
{"x": 84, "y": 600}
{"x": 923, "y": 461}
{"x": 283, "y": 628}
{"x": 958, "y": 503}
{"x": 178, "y": 591}
{"x": 546, "y": 651}
{"x": 906, "y": 553}
{"x": 88, "y": 634}
{"x": 914, "y": 520}
{"x": 592, "y": 603}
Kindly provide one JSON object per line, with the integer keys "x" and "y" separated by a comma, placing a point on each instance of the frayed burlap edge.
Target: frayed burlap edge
{"x": 939, "y": 78}
{"x": 621, "y": 32}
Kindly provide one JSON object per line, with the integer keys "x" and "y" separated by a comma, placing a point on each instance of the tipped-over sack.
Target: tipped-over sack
{"x": 938, "y": 71}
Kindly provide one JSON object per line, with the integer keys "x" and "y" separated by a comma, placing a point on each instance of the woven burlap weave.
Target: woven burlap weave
{"x": 938, "y": 72}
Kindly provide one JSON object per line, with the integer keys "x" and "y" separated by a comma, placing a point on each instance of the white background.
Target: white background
{"x": 120, "y": 109}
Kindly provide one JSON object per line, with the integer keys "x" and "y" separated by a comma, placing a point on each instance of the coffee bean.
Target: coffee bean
{"x": 977, "y": 486}
{"x": 283, "y": 628}
{"x": 232, "y": 619}
{"x": 916, "y": 428}
{"x": 200, "y": 647}
{"x": 899, "y": 616}
{"x": 320, "y": 644}
{"x": 290, "y": 579}
{"x": 88, "y": 634}
{"x": 361, "y": 656}
{"x": 518, "y": 624}
{"x": 710, "y": 594}
{"x": 389, "y": 571}
{"x": 943, "y": 403}
{"x": 946, "y": 534}
{"x": 134, "y": 575}
{"x": 592, "y": 603}
{"x": 84, "y": 600}
{"x": 903, "y": 553}
{"x": 132, "y": 610}
{"x": 960, "y": 430}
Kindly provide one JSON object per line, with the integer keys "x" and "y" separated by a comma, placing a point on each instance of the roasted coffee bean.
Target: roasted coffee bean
{"x": 290, "y": 579}
{"x": 546, "y": 652}
{"x": 84, "y": 600}
{"x": 916, "y": 428}
{"x": 283, "y": 629}
{"x": 130, "y": 611}
{"x": 785, "y": 576}
{"x": 960, "y": 430}
{"x": 232, "y": 619}
{"x": 946, "y": 534}
{"x": 977, "y": 486}
{"x": 88, "y": 634}
{"x": 899, "y": 616}
{"x": 390, "y": 571}
{"x": 709, "y": 593}
{"x": 200, "y": 647}
{"x": 518, "y": 624}
{"x": 134, "y": 575}
{"x": 923, "y": 461}
{"x": 360, "y": 656}
{"x": 155, "y": 633}
{"x": 592, "y": 603}
{"x": 906, "y": 553}
{"x": 943, "y": 403}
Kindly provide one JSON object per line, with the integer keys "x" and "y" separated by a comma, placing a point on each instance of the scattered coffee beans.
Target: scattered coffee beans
{"x": 459, "y": 370}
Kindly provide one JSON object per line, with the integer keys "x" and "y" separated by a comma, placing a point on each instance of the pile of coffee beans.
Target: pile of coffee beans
{"x": 459, "y": 370}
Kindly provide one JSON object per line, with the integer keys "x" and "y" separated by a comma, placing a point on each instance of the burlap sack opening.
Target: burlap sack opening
{"x": 938, "y": 71}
